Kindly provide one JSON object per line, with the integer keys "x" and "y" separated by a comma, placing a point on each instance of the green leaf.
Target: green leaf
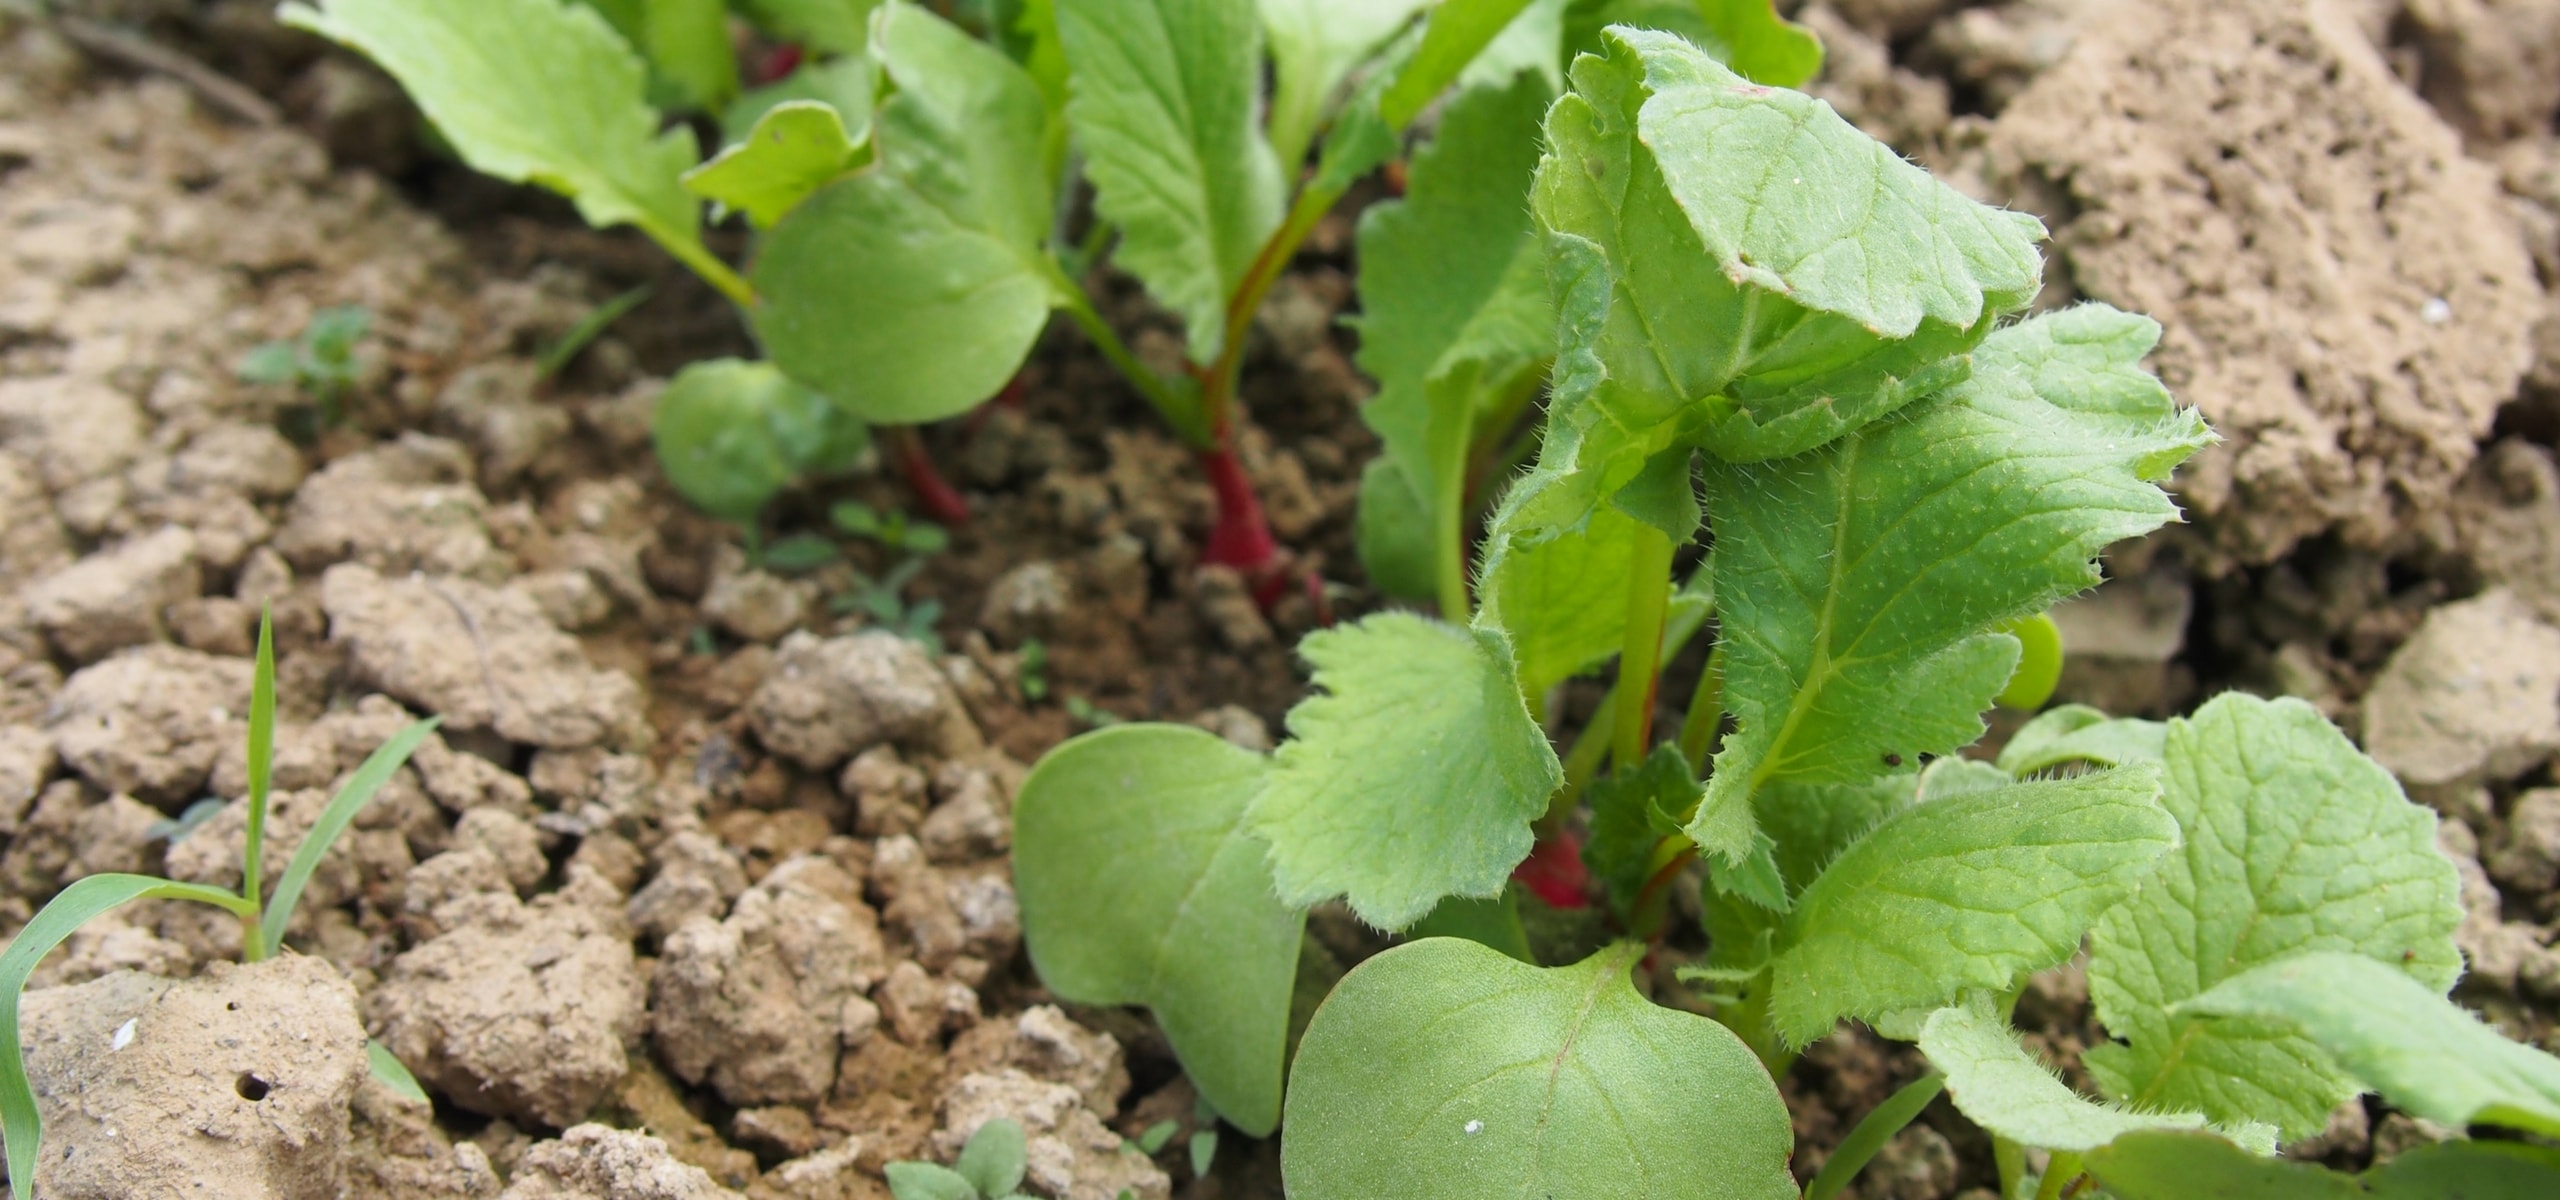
{"x": 1493, "y": 923}
{"x": 725, "y": 433}
{"x": 2039, "y": 662}
{"x": 912, "y": 289}
{"x": 2077, "y": 733}
{"x": 270, "y": 363}
{"x": 1970, "y": 891}
{"x": 1412, "y": 775}
{"x": 825, "y": 26}
{"x": 1761, "y": 46}
{"x": 993, "y": 1161}
{"x": 1314, "y": 46}
{"x": 2000, "y": 1087}
{"x": 1631, "y": 812}
{"x": 799, "y": 554}
{"x": 358, "y": 791}
{"x": 1204, "y": 1151}
{"x": 1861, "y": 583}
{"x": 1162, "y": 101}
{"x": 1874, "y": 1130}
{"x": 927, "y": 1181}
{"x": 531, "y": 91}
{"x": 796, "y": 148}
{"x": 21, "y": 1122}
{"x": 1563, "y": 600}
{"x": 395, "y": 1075}
{"x": 687, "y": 45}
{"x": 1454, "y": 319}
{"x": 1457, "y": 32}
{"x": 844, "y": 84}
{"x": 1767, "y": 322}
{"x": 1141, "y": 885}
{"x": 1809, "y": 824}
{"x": 2199, "y": 1166}
{"x": 1441, "y": 1070}
{"x": 1393, "y": 529}
{"x": 2293, "y": 842}
{"x": 2426, "y": 1055}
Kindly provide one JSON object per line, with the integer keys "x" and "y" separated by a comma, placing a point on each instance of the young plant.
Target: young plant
{"x": 321, "y": 363}
{"x": 263, "y": 918}
{"x": 1768, "y": 324}
{"x": 990, "y": 1167}
{"x": 911, "y": 189}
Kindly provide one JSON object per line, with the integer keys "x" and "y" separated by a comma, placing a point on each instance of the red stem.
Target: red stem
{"x": 1242, "y": 536}
{"x": 934, "y": 494}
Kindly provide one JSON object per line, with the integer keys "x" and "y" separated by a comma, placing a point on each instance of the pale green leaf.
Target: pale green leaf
{"x": 2426, "y": 1055}
{"x": 729, "y": 434}
{"x": 1743, "y": 297}
{"x": 1454, "y": 321}
{"x": 531, "y": 91}
{"x": 2293, "y": 842}
{"x": 1412, "y": 775}
{"x": 687, "y": 45}
{"x": 1533, "y": 43}
{"x": 1162, "y": 99}
{"x": 912, "y": 289}
{"x": 2039, "y": 662}
{"x": 1861, "y": 583}
{"x": 1441, "y": 1070}
{"x": 1761, "y": 46}
{"x": 2000, "y": 1087}
{"x": 825, "y": 26}
{"x": 2196, "y": 1166}
{"x": 1140, "y": 885}
{"x": 927, "y": 1181}
{"x": 1314, "y": 46}
{"x": 387, "y": 1068}
{"x": 2077, "y": 733}
{"x": 1563, "y": 600}
{"x": 796, "y": 148}
{"x": 993, "y": 1160}
{"x": 1394, "y": 531}
{"x": 1969, "y": 891}
{"x": 844, "y": 84}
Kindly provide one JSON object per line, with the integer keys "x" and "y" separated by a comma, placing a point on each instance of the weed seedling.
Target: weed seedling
{"x": 884, "y": 601}
{"x": 262, "y": 917}
{"x": 1031, "y": 669}
{"x": 321, "y": 363}
{"x": 892, "y": 530}
{"x": 991, "y": 1167}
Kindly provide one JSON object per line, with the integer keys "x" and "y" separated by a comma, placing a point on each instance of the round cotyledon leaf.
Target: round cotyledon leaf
{"x": 1443, "y": 1070}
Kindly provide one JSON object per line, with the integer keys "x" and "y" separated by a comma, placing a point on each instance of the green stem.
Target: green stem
{"x": 1179, "y": 410}
{"x": 2011, "y": 1158}
{"x": 1449, "y": 529}
{"x": 1259, "y": 276}
{"x": 1581, "y": 764}
{"x": 1874, "y": 1130}
{"x": 2062, "y": 1169}
{"x": 692, "y": 253}
{"x": 1749, "y": 1020}
{"x": 1698, "y": 726}
{"x": 1652, "y": 906}
{"x": 1640, "y": 663}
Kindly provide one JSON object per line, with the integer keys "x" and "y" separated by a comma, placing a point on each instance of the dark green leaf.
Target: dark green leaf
{"x": 799, "y": 554}
{"x": 1631, "y": 812}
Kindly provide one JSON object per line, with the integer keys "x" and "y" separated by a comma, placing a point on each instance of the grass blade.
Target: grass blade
{"x": 388, "y": 1068}
{"x": 342, "y": 809}
{"x": 588, "y": 329}
{"x": 1878, "y": 1127}
{"x": 21, "y": 1124}
{"x": 262, "y": 753}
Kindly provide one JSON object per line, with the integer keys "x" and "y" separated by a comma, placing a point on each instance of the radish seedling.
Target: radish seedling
{"x": 321, "y": 364}
{"x": 1773, "y": 337}
{"x": 262, "y": 917}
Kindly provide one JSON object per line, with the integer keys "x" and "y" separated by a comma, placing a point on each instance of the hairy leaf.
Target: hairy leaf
{"x": 796, "y": 148}
{"x": 1631, "y": 812}
{"x": 1412, "y": 776}
{"x": 1314, "y": 46}
{"x": 1453, "y": 300}
{"x": 1861, "y": 583}
{"x": 912, "y": 289}
{"x": 2077, "y": 733}
{"x": 1970, "y": 891}
{"x": 1394, "y": 531}
{"x": 2163, "y": 1165}
{"x": 1162, "y": 102}
{"x": 531, "y": 91}
{"x": 2293, "y": 842}
{"x": 1441, "y": 1070}
{"x": 826, "y": 26}
{"x": 1140, "y": 885}
{"x": 1766, "y": 322}
{"x": 1808, "y": 824}
{"x": 1746, "y": 35}
{"x": 1564, "y": 599}
{"x": 2426, "y": 1055}
{"x": 2002, "y": 1088}
{"x": 1458, "y": 31}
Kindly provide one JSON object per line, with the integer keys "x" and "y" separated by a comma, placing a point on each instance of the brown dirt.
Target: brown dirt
{"x": 702, "y": 889}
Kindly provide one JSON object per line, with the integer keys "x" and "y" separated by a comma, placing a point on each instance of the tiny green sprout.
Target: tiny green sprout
{"x": 892, "y": 529}
{"x": 1204, "y": 1151}
{"x": 797, "y": 554}
{"x": 1154, "y": 1140}
{"x": 262, "y": 918}
{"x": 1032, "y": 668}
{"x": 990, "y": 1167}
{"x": 322, "y": 362}
{"x": 883, "y": 602}
{"x": 1091, "y": 715}
{"x": 588, "y": 329}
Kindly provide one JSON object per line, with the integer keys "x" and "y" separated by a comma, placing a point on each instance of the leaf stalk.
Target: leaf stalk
{"x": 1640, "y": 662}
